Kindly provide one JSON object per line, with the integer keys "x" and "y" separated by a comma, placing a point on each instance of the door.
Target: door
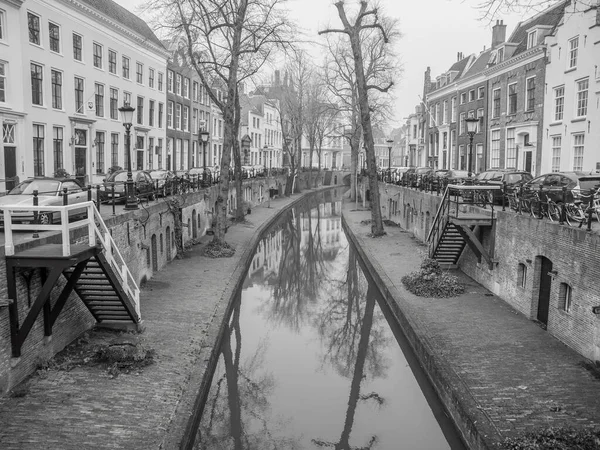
{"x": 528, "y": 162}
{"x": 10, "y": 167}
{"x": 545, "y": 286}
{"x": 80, "y": 164}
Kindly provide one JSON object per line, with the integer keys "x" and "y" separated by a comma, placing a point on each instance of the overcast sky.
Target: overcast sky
{"x": 434, "y": 31}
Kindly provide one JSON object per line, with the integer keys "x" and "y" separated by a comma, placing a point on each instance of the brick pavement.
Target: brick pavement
{"x": 500, "y": 373}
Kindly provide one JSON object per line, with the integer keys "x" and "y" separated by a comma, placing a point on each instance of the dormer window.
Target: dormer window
{"x": 500, "y": 57}
{"x": 532, "y": 39}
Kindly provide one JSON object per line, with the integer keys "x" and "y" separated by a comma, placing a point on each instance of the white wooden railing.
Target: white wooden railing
{"x": 97, "y": 232}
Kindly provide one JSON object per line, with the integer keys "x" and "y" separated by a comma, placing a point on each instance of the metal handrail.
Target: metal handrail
{"x": 438, "y": 214}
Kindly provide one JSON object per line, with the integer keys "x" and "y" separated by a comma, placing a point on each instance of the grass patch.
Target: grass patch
{"x": 564, "y": 438}
{"x": 431, "y": 281}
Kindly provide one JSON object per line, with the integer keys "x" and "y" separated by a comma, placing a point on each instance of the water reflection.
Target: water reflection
{"x": 309, "y": 360}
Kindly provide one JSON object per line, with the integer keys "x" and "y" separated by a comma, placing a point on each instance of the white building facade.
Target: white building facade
{"x": 70, "y": 65}
{"x": 571, "y": 135}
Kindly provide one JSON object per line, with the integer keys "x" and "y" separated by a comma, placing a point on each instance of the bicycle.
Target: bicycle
{"x": 544, "y": 208}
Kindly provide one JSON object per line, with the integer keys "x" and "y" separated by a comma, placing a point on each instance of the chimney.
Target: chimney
{"x": 427, "y": 82}
{"x": 498, "y": 33}
{"x": 277, "y": 78}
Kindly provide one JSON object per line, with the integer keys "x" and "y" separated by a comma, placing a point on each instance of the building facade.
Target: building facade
{"x": 571, "y": 134}
{"x": 64, "y": 82}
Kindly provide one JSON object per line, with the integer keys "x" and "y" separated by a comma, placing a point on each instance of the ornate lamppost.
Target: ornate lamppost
{"x": 471, "y": 130}
{"x": 203, "y": 135}
{"x": 126, "y": 112}
{"x": 390, "y": 142}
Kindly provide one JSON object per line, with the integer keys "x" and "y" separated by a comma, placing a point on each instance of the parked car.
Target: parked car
{"x": 454, "y": 176}
{"x": 163, "y": 182}
{"x": 437, "y": 176}
{"x": 398, "y": 173}
{"x": 50, "y": 193}
{"x": 498, "y": 177}
{"x": 143, "y": 183}
{"x": 421, "y": 173}
{"x": 551, "y": 185}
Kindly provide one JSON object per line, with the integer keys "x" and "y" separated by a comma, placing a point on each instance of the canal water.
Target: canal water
{"x": 311, "y": 359}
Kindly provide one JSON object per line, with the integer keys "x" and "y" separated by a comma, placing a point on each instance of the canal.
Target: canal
{"x": 311, "y": 359}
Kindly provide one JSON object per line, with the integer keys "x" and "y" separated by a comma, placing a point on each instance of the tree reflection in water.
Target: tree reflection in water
{"x": 238, "y": 418}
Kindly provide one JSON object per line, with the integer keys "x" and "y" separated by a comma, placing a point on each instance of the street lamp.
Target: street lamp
{"x": 266, "y": 150}
{"x": 471, "y": 130}
{"x": 203, "y": 134}
{"x": 126, "y": 112}
{"x": 390, "y": 142}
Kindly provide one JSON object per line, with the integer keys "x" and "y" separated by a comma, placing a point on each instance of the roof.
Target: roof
{"x": 480, "y": 64}
{"x": 549, "y": 17}
{"x": 126, "y": 18}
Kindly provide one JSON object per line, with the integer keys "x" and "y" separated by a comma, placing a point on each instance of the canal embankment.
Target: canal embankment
{"x": 497, "y": 373}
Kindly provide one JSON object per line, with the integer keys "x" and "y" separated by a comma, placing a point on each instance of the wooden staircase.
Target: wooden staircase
{"x": 101, "y": 291}
{"x": 449, "y": 247}
{"x": 457, "y": 224}
{"x": 95, "y": 270}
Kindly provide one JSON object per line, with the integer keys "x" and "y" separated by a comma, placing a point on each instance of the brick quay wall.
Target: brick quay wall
{"x": 146, "y": 239}
{"x": 519, "y": 244}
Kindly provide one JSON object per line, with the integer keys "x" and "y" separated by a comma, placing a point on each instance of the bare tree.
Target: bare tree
{"x": 227, "y": 42}
{"x": 368, "y": 60}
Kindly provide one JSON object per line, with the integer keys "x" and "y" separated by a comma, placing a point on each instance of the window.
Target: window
{"x": 445, "y": 112}
{"x": 170, "y": 115}
{"x": 463, "y": 98}
{"x": 195, "y": 91}
{"x": 36, "y": 84}
{"x": 114, "y": 149}
{"x": 185, "y": 118}
{"x": 150, "y": 152}
{"x": 127, "y": 98}
{"x": 453, "y": 107}
{"x": 511, "y": 149}
{"x": 54, "y": 37}
{"x": 125, "y": 66}
{"x": 532, "y": 39}
{"x": 578, "y": 145}
{"x": 573, "y": 50}
{"x": 38, "y": 150}
{"x": 480, "y": 92}
{"x": 139, "y": 72}
{"x": 56, "y": 89}
{"x": 112, "y": 61}
{"x": 461, "y": 123}
{"x": 480, "y": 117}
{"x": 33, "y": 22}
{"x": 140, "y": 110}
{"x": 151, "y": 113}
{"x": 160, "y": 81}
{"x": 201, "y": 93}
{"x": 79, "y": 95}
{"x": 556, "y": 147}
{"x": 99, "y": 141}
{"x": 559, "y": 103}
{"x": 500, "y": 55}
{"x": 99, "y": 97}
{"x": 522, "y": 276}
{"x": 530, "y": 88}
{"x": 160, "y": 114}
{"x": 186, "y": 88}
{"x": 57, "y": 145}
{"x": 77, "y": 47}
{"x": 582, "y": 97}
{"x": 565, "y": 297}
{"x": 1, "y": 25}
{"x": 472, "y": 95}
{"x": 177, "y": 124}
{"x": 114, "y": 103}
{"x": 512, "y": 99}
{"x": 178, "y": 84}
{"x": 496, "y": 104}
{"x": 495, "y": 151}
{"x": 2, "y": 81}
{"x": 151, "y": 78}
{"x": 97, "y": 55}
{"x": 170, "y": 81}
